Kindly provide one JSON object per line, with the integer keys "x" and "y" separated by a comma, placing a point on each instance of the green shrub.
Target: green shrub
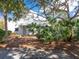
{"x": 2, "y": 33}
{"x": 45, "y": 34}
{"x": 65, "y": 30}
{"x": 76, "y": 29}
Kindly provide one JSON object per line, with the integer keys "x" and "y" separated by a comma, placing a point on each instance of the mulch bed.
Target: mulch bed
{"x": 32, "y": 42}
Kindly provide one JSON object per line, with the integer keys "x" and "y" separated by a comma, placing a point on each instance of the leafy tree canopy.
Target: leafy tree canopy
{"x": 16, "y": 7}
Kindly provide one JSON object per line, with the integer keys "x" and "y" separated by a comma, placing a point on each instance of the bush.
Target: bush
{"x": 63, "y": 30}
{"x": 45, "y": 34}
{"x": 2, "y": 33}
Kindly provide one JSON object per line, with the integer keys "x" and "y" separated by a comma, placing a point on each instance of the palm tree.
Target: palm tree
{"x": 16, "y": 7}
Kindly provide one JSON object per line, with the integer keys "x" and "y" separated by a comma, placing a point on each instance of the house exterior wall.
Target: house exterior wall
{"x": 30, "y": 18}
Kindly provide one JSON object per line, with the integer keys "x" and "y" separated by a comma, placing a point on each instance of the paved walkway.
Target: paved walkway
{"x": 27, "y": 53}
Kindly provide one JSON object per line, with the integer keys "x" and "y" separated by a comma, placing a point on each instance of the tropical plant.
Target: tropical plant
{"x": 32, "y": 28}
{"x": 62, "y": 30}
{"x": 76, "y": 31}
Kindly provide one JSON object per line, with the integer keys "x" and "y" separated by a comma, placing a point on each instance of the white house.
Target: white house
{"x": 31, "y": 17}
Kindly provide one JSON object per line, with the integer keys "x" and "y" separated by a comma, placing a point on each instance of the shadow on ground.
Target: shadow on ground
{"x": 64, "y": 50}
{"x": 27, "y": 53}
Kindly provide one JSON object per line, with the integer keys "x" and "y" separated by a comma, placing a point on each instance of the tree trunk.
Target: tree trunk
{"x": 5, "y": 26}
{"x": 5, "y": 19}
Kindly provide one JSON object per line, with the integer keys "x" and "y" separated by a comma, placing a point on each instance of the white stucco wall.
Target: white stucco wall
{"x": 11, "y": 26}
{"x": 24, "y": 21}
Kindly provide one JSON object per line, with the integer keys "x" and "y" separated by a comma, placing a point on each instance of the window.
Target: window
{"x": 16, "y": 29}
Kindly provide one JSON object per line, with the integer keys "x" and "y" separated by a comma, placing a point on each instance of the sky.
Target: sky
{"x": 32, "y": 5}
{"x": 72, "y": 7}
